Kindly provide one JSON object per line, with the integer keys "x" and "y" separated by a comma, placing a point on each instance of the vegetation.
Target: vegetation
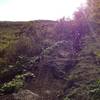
{"x": 11, "y": 86}
{"x": 59, "y": 60}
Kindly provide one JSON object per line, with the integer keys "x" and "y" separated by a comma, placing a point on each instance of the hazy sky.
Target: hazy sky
{"x": 17, "y": 10}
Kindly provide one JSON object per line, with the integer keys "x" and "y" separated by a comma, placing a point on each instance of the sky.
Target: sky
{"x": 26, "y": 10}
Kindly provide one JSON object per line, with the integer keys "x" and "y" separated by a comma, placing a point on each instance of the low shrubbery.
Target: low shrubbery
{"x": 95, "y": 91}
{"x": 12, "y": 86}
{"x": 15, "y": 84}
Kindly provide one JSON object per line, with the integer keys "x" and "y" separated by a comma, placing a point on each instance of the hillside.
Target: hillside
{"x": 51, "y": 60}
{"x": 49, "y": 63}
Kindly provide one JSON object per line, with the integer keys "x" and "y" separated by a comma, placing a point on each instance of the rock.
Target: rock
{"x": 25, "y": 95}
{"x": 56, "y": 60}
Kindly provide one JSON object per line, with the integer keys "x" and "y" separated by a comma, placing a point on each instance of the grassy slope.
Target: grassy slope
{"x": 75, "y": 83}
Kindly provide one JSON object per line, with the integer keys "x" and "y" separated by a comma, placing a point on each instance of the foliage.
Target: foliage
{"x": 12, "y": 86}
{"x": 66, "y": 98}
{"x": 16, "y": 83}
{"x": 95, "y": 90}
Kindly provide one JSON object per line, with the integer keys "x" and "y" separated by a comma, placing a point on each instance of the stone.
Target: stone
{"x": 25, "y": 95}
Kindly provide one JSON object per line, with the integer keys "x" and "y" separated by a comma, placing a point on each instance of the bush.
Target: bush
{"x": 66, "y": 98}
{"x": 12, "y": 86}
{"x": 15, "y": 84}
{"x": 95, "y": 91}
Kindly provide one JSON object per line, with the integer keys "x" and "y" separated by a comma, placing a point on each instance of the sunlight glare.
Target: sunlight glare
{"x": 25, "y": 10}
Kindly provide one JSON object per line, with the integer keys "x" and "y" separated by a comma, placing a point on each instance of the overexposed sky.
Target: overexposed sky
{"x": 25, "y": 10}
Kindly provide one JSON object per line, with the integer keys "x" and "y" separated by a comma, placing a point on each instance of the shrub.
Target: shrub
{"x": 12, "y": 86}
{"x": 16, "y": 83}
{"x": 95, "y": 91}
{"x": 66, "y": 98}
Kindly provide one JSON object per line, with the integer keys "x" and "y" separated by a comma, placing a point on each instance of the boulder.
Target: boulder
{"x": 25, "y": 95}
{"x": 56, "y": 59}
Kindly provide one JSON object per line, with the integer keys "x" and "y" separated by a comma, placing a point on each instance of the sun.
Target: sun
{"x": 25, "y": 10}
{"x": 66, "y": 8}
